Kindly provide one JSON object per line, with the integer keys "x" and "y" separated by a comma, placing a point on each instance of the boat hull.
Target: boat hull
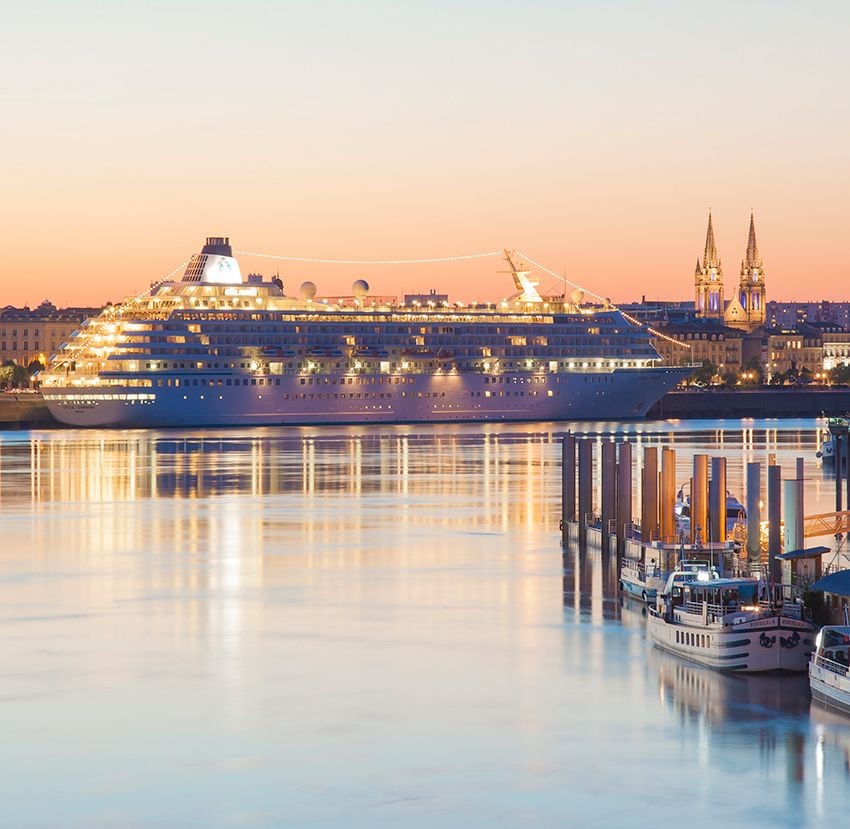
{"x": 638, "y": 590}
{"x": 230, "y": 400}
{"x": 830, "y": 689}
{"x": 766, "y": 644}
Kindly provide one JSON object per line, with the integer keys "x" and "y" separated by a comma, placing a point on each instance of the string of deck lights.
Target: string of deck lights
{"x": 423, "y": 261}
{"x": 559, "y": 276}
{"x": 319, "y": 261}
{"x": 655, "y": 332}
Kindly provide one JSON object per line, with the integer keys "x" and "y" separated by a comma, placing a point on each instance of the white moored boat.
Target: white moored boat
{"x": 723, "y": 624}
{"x": 829, "y": 670}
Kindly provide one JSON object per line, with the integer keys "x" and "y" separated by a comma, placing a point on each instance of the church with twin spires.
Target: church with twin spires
{"x": 747, "y": 308}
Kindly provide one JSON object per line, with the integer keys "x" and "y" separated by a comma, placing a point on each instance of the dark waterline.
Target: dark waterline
{"x": 367, "y": 627}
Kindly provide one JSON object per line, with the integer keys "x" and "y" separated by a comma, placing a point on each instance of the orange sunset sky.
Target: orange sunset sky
{"x": 592, "y": 136}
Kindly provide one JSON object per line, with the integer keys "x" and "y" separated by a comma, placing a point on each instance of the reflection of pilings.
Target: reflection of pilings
{"x": 568, "y": 483}
{"x": 624, "y": 494}
{"x": 649, "y": 494}
{"x": 699, "y": 499}
{"x": 774, "y": 516}
{"x": 585, "y": 487}
{"x": 609, "y": 488}
{"x": 668, "y": 495}
{"x": 837, "y": 454}
{"x": 717, "y": 500}
{"x": 753, "y": 510}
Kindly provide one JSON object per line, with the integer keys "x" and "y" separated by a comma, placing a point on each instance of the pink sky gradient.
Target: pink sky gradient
{"x": 594, "y": 139}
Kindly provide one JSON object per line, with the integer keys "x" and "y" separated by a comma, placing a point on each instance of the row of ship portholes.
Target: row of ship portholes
{"x": 696, "y": 640}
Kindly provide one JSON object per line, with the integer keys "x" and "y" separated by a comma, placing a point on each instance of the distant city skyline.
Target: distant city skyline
{"x": 594, "y": 138}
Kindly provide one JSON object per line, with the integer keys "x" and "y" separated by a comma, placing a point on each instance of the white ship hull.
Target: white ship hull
{"x": 829, "y": 688}
{"x": 229, "y": 399}
{"x": 774, "y": 643}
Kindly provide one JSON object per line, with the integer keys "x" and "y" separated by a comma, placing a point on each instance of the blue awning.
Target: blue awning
{"x": 809, "y": 552}
{"x": 837, "y": 583}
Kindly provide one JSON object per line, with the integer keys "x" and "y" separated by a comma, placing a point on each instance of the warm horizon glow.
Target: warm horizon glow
{"x": 594, "y": 137}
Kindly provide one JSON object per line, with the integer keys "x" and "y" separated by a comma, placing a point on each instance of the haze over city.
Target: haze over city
{"x": 594, "y": 137}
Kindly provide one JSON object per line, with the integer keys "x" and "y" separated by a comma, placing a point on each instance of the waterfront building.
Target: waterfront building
{"x": 36, "y": 334}
{"x": 792, "y": 314}
{"x": 792, "y": 350}
{"x": 702, "y": 341}
{"x": 835, "y": 344}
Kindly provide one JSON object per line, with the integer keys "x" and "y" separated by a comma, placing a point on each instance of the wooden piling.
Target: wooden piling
{"x": 649, "y": 494}
{"x": 609, "y": 488}
{"x": 699, "y": 499}
{"x": 585, "y": 487}
{"x": 774, "y": 517}
{"x": 568, "y": 484}
{"x": 754, "y": 510}
{"x": 624, "y": 494}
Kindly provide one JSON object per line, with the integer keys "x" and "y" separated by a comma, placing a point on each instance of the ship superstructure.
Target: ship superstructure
{"x": 217, "y": 349}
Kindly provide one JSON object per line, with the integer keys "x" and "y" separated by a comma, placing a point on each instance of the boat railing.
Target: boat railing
{"x": 633, "y": 531}
{"x": 713, "y": 610}
{"x": 831, "y": 665}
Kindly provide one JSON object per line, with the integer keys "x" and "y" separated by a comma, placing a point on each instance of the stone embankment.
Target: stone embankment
{"x": 785, "y": 401}
{"x": 22, "y": 409}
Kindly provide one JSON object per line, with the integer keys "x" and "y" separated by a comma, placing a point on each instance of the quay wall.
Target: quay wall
{"x": 737, "y": 403}
{"x": 21, "y": 409}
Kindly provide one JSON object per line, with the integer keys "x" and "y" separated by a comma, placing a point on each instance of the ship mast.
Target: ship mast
{"x": 526, "y": 288}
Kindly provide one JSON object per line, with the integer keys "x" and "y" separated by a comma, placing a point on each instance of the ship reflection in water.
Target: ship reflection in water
{"x": 372, "y": 627}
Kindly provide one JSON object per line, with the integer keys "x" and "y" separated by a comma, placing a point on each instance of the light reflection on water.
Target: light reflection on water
{"x": 376, "y": 627}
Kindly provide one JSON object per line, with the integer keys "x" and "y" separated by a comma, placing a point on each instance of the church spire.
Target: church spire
{"x": 753, "y": 260}
{"x": 710, "y": 259}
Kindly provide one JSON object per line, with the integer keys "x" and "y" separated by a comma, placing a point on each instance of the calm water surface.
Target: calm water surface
{"x": 369, "y": 627}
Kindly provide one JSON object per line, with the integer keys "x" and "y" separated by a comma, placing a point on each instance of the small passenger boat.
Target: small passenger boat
{"x": 733, "y": 625}
{"x": 829, "y": 670}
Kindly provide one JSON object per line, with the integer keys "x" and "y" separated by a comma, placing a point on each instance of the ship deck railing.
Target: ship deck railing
{"x": 832, "y": 665}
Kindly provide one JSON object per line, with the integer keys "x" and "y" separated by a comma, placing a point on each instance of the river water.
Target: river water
{"x": 368, "y": 627}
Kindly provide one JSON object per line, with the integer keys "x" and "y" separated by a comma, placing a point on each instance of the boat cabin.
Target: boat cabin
{"x": 833, "y": 649}
{"x": 725, "y": 595}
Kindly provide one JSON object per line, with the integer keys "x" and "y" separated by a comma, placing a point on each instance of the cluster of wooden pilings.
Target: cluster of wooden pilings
{"x": 615, "y": 525}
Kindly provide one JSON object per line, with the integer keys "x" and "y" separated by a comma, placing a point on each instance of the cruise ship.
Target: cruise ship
{"x": 214, "y": 349}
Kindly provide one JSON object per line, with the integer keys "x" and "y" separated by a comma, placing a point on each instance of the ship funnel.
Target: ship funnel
{"x": 214, "y": 264}
{"x": 219, "y": 245}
